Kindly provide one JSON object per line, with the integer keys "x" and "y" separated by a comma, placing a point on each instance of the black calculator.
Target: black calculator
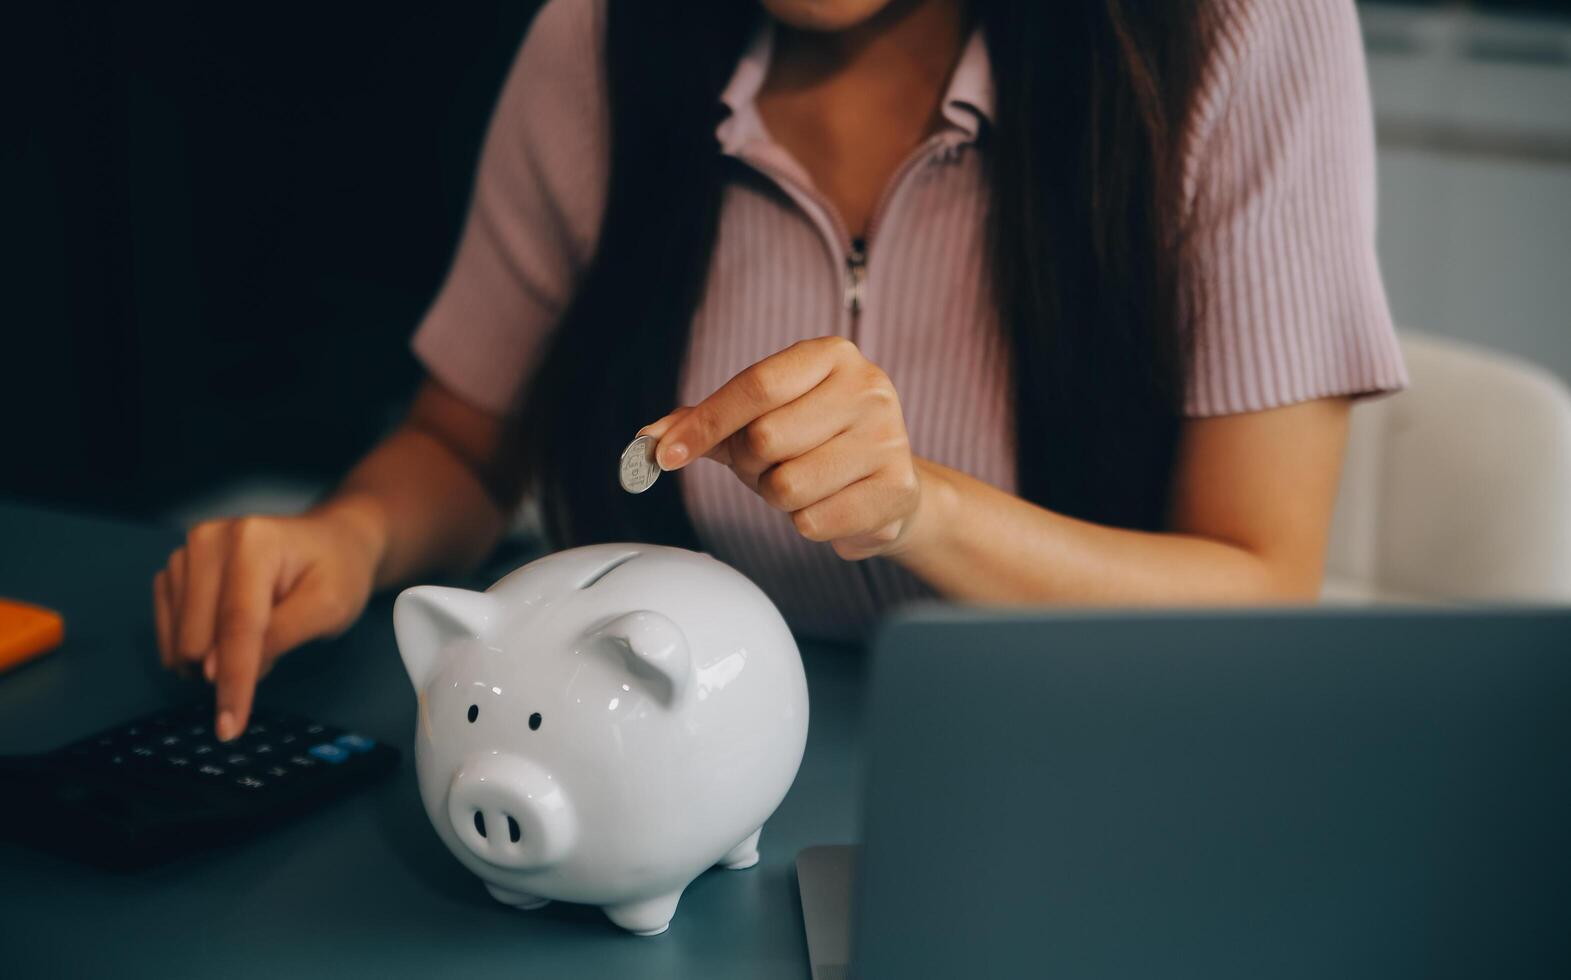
{"x": 164, "y": 786}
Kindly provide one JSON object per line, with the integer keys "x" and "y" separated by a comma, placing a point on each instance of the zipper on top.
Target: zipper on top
{"x": 856, "y": 276}
{"x": 854, "y": 298}
{"x": 857, "y": 248}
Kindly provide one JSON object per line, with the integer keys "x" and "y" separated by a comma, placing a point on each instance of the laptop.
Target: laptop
{"x": 1349, "y": 793}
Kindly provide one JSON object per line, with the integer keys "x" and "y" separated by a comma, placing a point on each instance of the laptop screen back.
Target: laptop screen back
{"x": 1347, "y": 794}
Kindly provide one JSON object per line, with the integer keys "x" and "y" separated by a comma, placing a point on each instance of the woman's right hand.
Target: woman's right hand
{"x": 241, "y": 592}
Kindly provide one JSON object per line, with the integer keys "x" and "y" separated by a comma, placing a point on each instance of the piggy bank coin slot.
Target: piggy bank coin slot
{"x": 607, "y": 569}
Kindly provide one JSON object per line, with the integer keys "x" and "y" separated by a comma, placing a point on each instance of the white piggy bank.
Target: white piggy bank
{"x": 604, "y": 724}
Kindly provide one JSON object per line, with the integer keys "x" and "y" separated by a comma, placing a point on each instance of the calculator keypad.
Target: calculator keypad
{"x": 277, "y": 749}
{"x": 160, "y": 787}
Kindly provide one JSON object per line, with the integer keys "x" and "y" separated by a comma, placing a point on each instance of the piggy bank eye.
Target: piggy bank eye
{"x": 534, "y": 721}
{"x": 474, "y": 712}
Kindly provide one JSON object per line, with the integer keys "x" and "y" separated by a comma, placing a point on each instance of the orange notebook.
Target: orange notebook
{"x": 27, "y": 632}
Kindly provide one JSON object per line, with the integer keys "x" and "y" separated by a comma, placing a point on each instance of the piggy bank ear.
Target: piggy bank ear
{"x": 427, "y": 618}
{"x": 656, "y": 652}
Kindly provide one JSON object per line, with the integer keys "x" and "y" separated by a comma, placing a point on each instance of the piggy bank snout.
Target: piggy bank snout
{"x": 510, "y": 811}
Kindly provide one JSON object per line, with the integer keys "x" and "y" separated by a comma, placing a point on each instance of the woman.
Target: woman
{"x": 1006, "y": 301}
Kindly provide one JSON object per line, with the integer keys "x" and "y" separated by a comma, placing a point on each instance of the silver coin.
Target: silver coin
{"x": 638, "y": 470}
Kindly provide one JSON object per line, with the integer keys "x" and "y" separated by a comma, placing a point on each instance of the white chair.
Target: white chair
{"x": 1458, "y": 489}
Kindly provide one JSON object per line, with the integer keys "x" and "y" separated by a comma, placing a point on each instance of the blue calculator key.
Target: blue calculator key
{"x": 354, "y": 743}
{"x": 328, "y": 752}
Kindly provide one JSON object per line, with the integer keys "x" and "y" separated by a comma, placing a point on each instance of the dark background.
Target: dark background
{"x": 219, "y": 225}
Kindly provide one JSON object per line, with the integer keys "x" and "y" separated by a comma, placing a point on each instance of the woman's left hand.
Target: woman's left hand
{"x": 816, "y": 431}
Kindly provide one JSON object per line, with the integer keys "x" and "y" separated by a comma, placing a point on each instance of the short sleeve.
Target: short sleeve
{"x": 535, "y": 211}
{"x": 1281, "y": 279}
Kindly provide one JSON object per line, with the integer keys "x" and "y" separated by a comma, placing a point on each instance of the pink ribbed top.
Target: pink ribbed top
{"x": 1279, "y": 188}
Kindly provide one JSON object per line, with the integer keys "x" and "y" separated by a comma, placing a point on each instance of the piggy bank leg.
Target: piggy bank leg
{"x": 743, "y": 855}
{"x": 517, "y": 900}
{"x": 650, "y": 917}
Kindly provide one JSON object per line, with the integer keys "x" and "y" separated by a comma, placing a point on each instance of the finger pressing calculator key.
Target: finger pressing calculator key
{"x": 160, "y": 786}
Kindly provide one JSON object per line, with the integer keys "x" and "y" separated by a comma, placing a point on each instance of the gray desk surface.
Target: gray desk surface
{"x": 362, "y": 887}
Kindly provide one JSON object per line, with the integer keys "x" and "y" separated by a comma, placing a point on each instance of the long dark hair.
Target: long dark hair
{"x": 1085, "y": 239}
